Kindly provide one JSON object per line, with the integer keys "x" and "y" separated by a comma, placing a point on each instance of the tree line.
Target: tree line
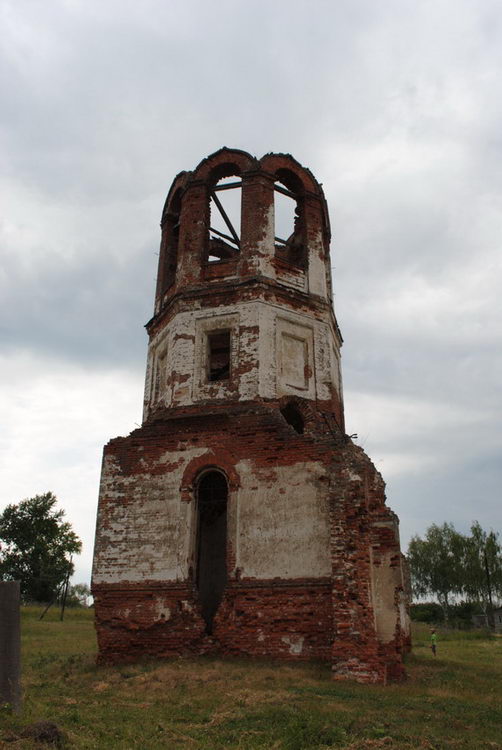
{"x": 448, "y": 565}
{"x": 36, "y": 549}
{"x": 37, "y": 545}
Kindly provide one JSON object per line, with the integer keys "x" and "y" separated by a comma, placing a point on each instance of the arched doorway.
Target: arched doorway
{"x": 212, "y": 494}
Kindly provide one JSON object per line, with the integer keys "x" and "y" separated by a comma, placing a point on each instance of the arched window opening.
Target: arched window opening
{"x": 170, "y": 240}
{"x": 294, "y": 418}
{"x": 225, "y": 219}
{"x": 211, "y": 578}
{"x": 289, "y": 219}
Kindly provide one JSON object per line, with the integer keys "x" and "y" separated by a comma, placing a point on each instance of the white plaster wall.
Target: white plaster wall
{"x": 317, "y": 283}
{"x": 143, "y": 529}
{"x": 403, "y": 614}
{"x": 283, "y": 522}
{"x": 154, "y": 350}
{"x": 336, "y": 371}
{"x": 322, "y": 348}
{"x": 384, "y": 581}
{"x": 326, "y": 376}
{"x": 295, "y": 356}
{"x": 267, "y": 350}
{"x": 278, "y": 523}
{"x": 256, "y": 357}
{"x": 185, "y": 381}
{"x": 265, "y": 249}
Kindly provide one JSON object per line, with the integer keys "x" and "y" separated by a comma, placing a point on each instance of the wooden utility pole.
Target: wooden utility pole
{"x": 10, "y": 644}
{"x": 491, "y": 621}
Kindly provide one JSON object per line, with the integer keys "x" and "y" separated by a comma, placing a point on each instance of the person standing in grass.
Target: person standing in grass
{"x": 433, "y": 641}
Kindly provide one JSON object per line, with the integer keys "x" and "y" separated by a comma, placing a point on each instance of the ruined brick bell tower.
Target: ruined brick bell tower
{"x": 240, "y": 519}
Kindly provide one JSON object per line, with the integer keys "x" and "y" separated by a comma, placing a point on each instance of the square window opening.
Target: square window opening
{"x": 218, "y": 356}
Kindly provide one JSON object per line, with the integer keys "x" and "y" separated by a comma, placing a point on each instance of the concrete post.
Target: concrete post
{"x": 10, "y": 644}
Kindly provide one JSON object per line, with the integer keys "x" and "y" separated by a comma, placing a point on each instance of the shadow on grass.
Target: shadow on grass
{"x": 287, "y": 727}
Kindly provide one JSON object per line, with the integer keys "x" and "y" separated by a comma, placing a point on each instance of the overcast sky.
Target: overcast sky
{"x": 395, "y": 106}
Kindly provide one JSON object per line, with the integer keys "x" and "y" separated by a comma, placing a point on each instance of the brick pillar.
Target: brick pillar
{"x": 355, "y": 653}
{"x": 193, "y": 239}
{"x": 257, "y": 224}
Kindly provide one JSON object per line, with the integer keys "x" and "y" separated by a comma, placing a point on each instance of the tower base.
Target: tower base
{"x": 312, "y": 565}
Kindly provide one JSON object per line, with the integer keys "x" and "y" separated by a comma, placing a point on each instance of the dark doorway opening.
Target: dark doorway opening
{"x": 212, "y": 494}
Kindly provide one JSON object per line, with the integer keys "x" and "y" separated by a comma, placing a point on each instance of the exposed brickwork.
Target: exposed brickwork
{"x": 144, "y": 620}
{"x": 277, "y": 620}
{"x": 270, "y": 620}
{"x": 311, "y": 562}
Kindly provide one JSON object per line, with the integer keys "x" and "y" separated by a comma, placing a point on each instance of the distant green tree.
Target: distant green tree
{"x": 429, "y": 612}
{"x": 462, "y": 614}
{"x": 35, "y": 546}
{"x": 78, "y": 595}
{"x": 436, "y": 564}
{"x": 482, "y": 569}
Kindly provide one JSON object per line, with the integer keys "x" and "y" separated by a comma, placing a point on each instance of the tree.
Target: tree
{"x": 35, "y": 547}
{"x": 429, "y": 612}
{"x": 446, "y": 564}
{"x": 436, "y": 564}
{"x": 78, "y": 595}
{"x": 482, "y": 568}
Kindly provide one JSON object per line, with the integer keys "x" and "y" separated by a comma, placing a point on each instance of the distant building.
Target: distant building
{"x": 240, "y": 518}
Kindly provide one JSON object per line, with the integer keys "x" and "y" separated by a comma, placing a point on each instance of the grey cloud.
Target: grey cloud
{"x": 395, "y": 106}
{"x": 92, "y": 311}
{"x": 460, "y": 494}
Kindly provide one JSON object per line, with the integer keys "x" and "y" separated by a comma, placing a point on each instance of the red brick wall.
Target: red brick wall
{"x": 280, "y": 620}
{"x": 289, "y": 619}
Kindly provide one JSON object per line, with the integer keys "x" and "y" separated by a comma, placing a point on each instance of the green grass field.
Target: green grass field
{"x": 453, "y": 701}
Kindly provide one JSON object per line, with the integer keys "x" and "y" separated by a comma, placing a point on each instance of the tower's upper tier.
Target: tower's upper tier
{"x": 237, "y": 217}
{"x": 243, "y": 303}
